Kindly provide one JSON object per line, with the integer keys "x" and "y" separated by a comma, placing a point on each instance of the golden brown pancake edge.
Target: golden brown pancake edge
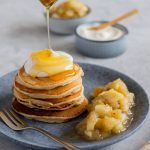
{"x": 58, "y": 92}
{"x": 43, "y": 83}
{"x": 50, "y": 116}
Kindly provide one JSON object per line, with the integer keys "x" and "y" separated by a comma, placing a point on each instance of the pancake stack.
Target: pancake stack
{"x": 49, "y": 99}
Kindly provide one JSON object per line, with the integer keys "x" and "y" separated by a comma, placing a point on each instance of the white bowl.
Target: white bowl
{"x": 101, "y": 49}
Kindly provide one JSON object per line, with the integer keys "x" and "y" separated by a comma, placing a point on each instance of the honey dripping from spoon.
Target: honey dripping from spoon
{"x": 48, "y": 4}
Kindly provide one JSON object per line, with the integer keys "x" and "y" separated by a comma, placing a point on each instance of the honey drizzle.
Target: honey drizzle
{"x": 65, "y": 74}
{"x": 48, "y": 4}
{"x": 48, "y": 30}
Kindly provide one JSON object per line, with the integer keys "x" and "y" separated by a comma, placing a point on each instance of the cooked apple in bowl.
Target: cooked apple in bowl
{"x": 109, "y": 113}
{"x": 66, "y": 16}
{"x": 69, "y": 9}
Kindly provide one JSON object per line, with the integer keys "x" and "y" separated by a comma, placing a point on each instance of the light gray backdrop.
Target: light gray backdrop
{"x": 23, "y": 30}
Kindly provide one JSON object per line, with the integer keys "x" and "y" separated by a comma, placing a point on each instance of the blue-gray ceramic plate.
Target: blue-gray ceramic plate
{"x": 94, "y": 76}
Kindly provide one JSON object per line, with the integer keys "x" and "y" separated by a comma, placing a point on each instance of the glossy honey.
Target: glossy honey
{"x": 66, "y": 74}
{"x": 50, "y": 63}
{"x": 48, "y": 4}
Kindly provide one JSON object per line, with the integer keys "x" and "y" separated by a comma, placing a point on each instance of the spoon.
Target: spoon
{"x": 48, "y": 3}
{"x": 113, "y": 22}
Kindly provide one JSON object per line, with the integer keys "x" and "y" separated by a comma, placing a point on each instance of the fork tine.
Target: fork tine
{"x": 17, "y": 117}
{"x": 7, "y": 121}
{"x": 12, "y": 118}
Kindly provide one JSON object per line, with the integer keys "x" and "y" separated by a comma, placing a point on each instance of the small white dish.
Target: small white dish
{"x": 101, "y": 49}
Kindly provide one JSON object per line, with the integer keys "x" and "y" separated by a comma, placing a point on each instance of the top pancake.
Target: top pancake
{"x": 46, "y": 83}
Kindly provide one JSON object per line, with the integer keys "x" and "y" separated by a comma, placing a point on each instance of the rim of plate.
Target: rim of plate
{"x": 108, "y": 141}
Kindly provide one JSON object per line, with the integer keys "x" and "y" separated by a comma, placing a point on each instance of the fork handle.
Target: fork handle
{"x": 67, "y": 145}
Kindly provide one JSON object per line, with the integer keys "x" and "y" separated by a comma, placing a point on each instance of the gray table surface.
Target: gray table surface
{"x": 23, "y": 30}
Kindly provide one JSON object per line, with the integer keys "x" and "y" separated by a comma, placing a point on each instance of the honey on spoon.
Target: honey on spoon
{"x": 48, "y": 3}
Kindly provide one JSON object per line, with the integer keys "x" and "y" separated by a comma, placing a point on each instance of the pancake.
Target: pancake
{"x": 50, "y": 116}
{"x": 46, "y": 83}
{"x": 59, "y": 107}
{"x": 50, "y": 104}
{"x": 58, "y": 92}
{"x": 24, "y": 97}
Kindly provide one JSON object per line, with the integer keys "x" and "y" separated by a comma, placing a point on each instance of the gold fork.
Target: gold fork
{"x": 12, "y": 120}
